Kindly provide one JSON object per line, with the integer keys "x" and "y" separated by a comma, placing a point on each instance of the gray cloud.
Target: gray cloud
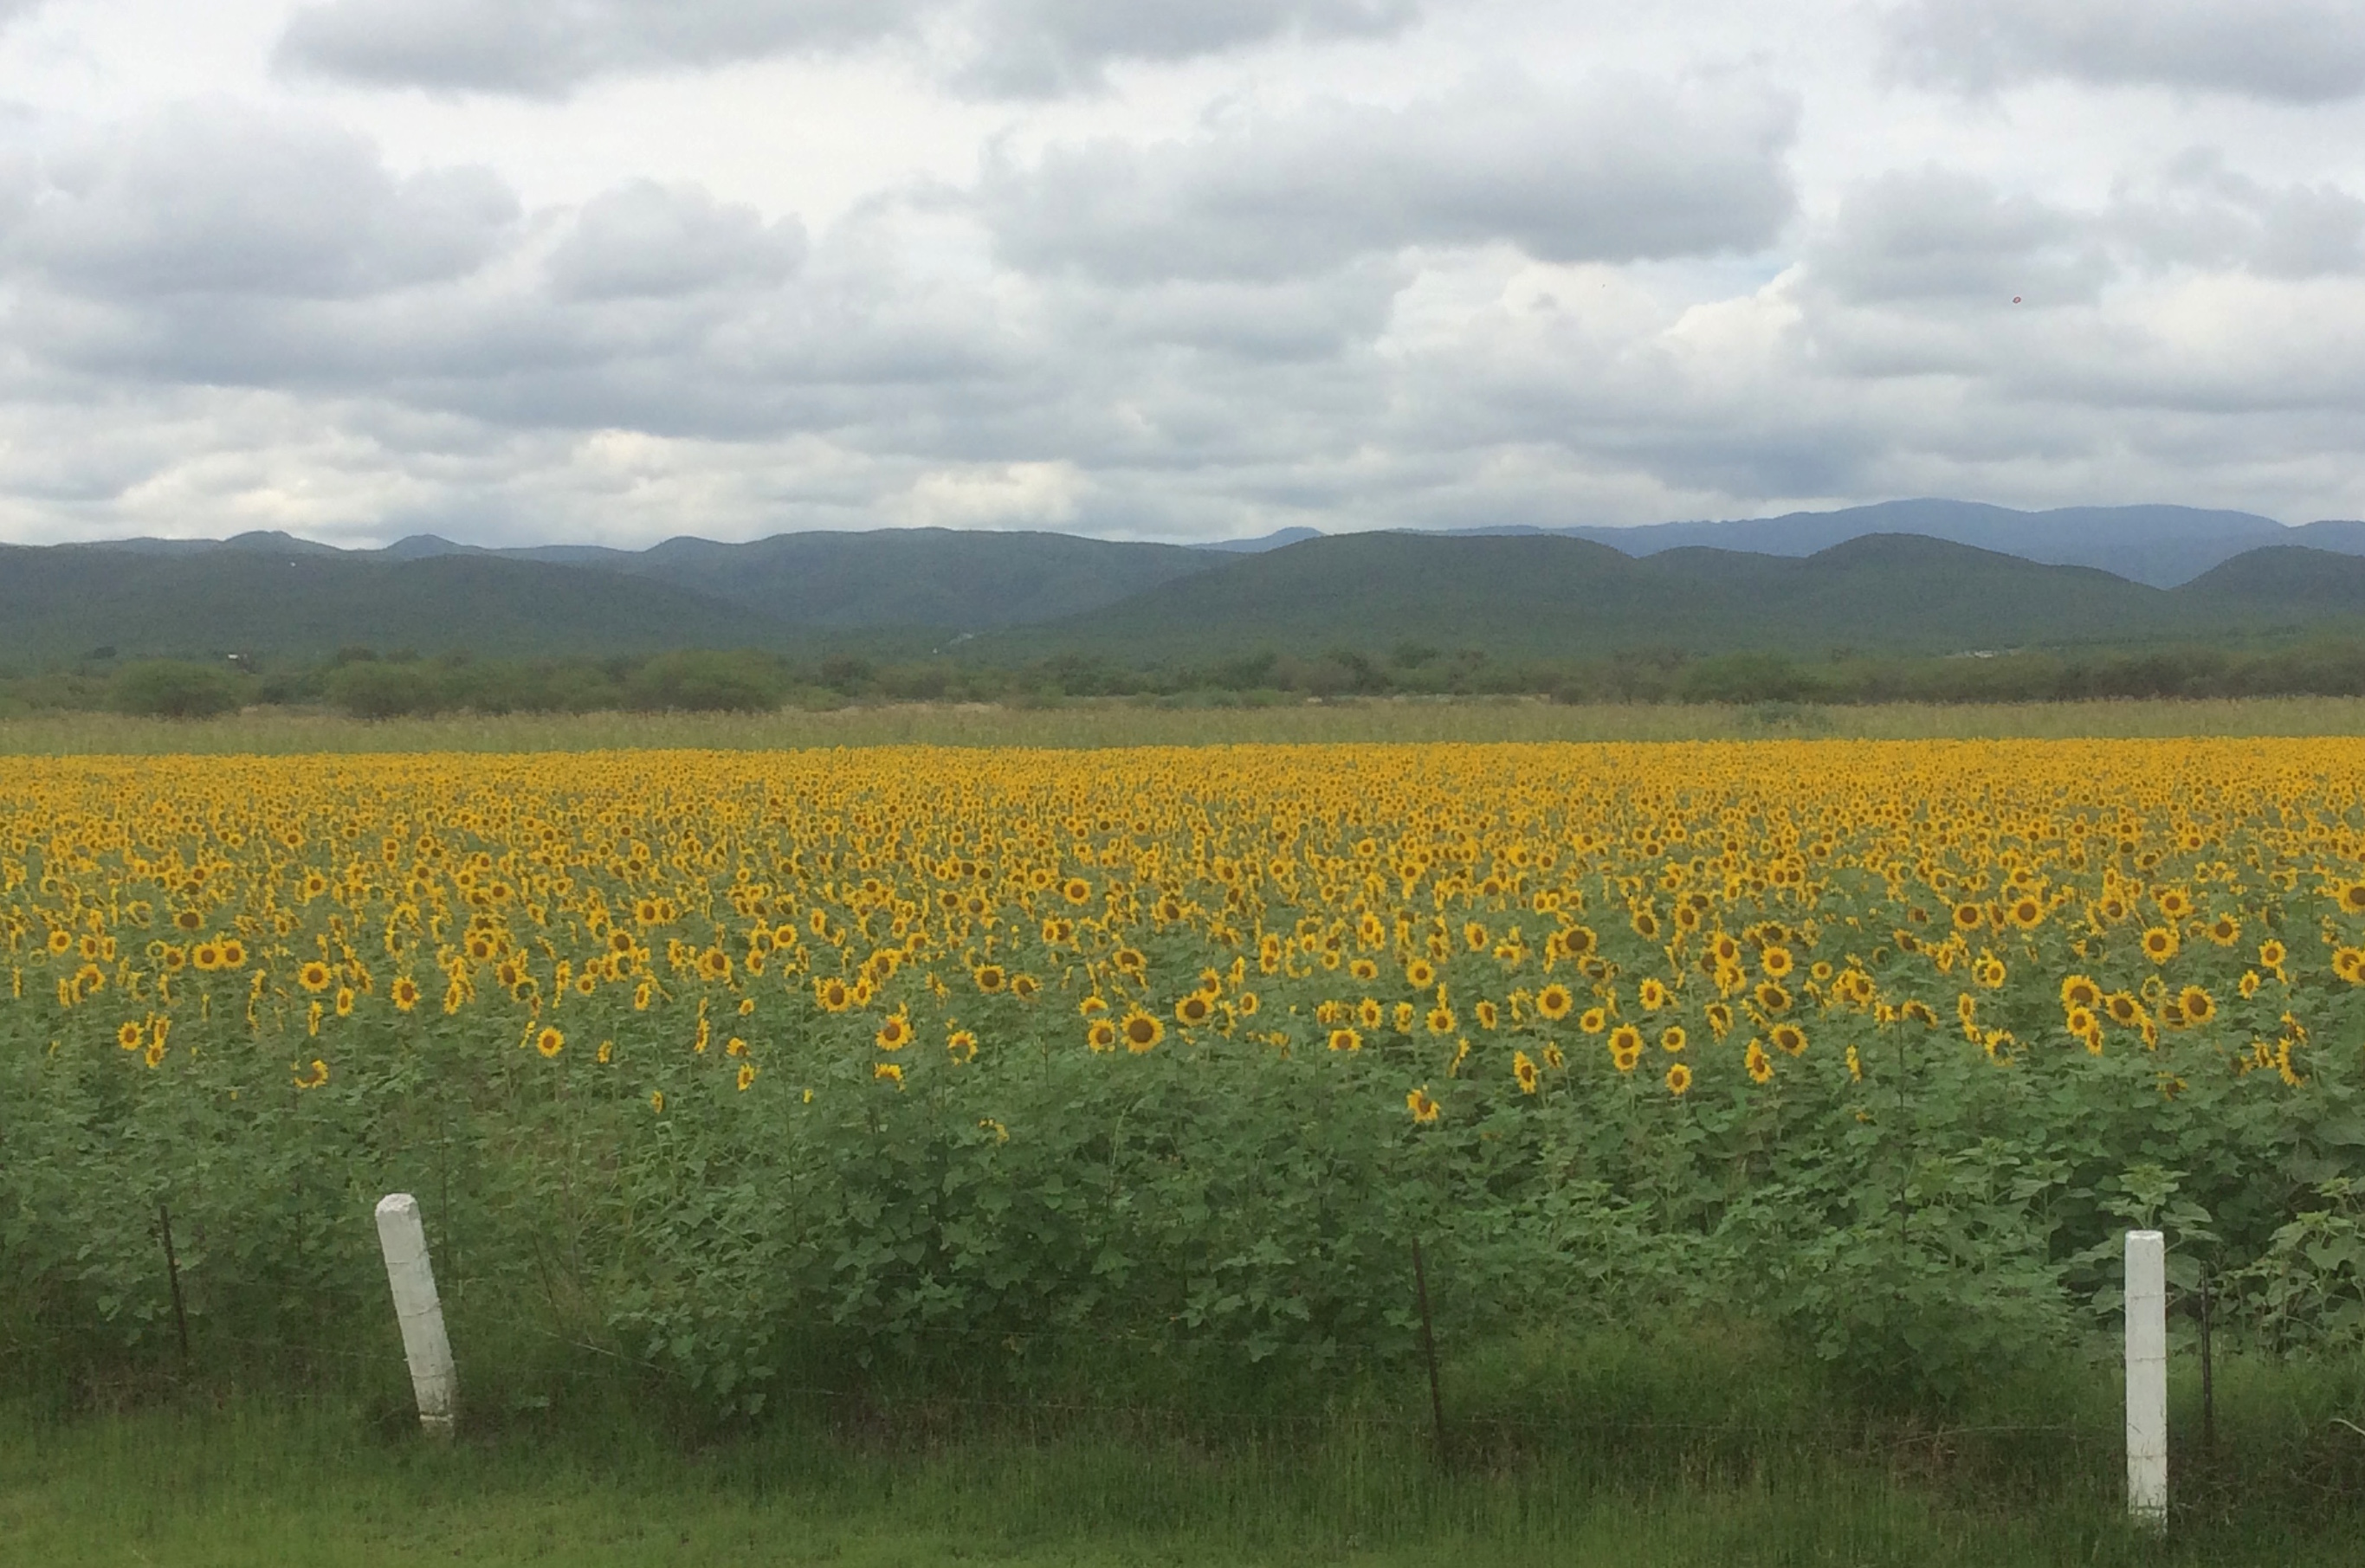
{"x": 2296, "y": 51}
{"x": 1038, "y": 48}
{"x": 548, "y": 48}
{"x": 2205, "y": 214}
{"x": 1014, "y": 48}
{"x": 651, "y": 241}
{"x": 1925, "y": 237}
{"x": 211, "y": 200}
{"x": 1620, "y": 169}
{"x": 1940, "y": 242}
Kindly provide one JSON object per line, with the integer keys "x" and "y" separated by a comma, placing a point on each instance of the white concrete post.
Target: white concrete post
{"x": 2146, "y": 1380}
{"x": 403, "y": 1240}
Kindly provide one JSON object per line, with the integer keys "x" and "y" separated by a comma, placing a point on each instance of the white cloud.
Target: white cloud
{"x": 1196, "y": 272}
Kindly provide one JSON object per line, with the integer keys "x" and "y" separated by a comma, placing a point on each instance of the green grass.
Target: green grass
{"x": 324, "y": 1486}
{"x": 1119, "y": 724}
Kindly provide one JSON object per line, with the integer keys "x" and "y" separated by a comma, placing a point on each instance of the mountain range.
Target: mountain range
{"x": 1917, "y": 575}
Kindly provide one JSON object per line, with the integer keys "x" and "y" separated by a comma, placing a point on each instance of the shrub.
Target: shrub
{"x": 372, "y": 689}
{"x": 175, "y": 689}
{"x": 707, "y": 683}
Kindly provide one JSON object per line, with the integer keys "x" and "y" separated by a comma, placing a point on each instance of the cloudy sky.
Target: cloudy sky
{"x": 614, "y": 270}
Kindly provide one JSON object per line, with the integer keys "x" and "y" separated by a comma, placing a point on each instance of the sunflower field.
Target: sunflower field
{"x": 755, "y": 1069}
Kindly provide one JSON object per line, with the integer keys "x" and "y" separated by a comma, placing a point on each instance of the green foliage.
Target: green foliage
{"x": 170, "y": 689}
{"x": 707, "y": 683}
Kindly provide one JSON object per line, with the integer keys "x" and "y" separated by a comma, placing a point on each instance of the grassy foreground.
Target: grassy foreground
{"x": 324, "y": 1486}
{"x": 1084, "y": 723}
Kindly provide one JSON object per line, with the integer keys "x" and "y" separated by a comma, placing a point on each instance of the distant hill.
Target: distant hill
{"x": 2161, "y": 546}
{"x": 1549, "y": 597}
{"x": 2285, "y": 584}
{"x": 1012, "y": 597}
{"x": 950, "y": 579}
{"x": 64, "y": 602}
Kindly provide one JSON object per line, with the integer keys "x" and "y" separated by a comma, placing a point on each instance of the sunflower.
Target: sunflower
{"x": 1772, "y": 998}
{"x": 549, "y": 1042}
{"x": 2159, "y": 943}
{"x": 1523, "y": 1067}
{"x": 1025, "y": 988}
{"x": 1076, "y": 890}
{"x": 1142, "y": 1031}
{"x": 1673, "y": 1038}
{"x": 1626, "y": 1047}
{"x": 2077, "y": 990}
{"x": 1488, "y": 1015}
{"x": 1552, "y": 1056}
{"x": 1776, "y": 962}
{"x": 2197, "y": 1005}
{"x": 832, "y": 994}
{"x": 1967, "y": 917}
{"x": 1654, "y": 995}
{"x": 1440, "y": 1019}
{"x": 2122, "y": 1009}
{"x": 1420, "y": 974}
{"x": 1553, "y": 1002}
{"x": 1679, "y": 1080}
{"x": 895, "y": 1032}
{"x": 1760, "y": 1065}
{"x": 2025, "y": 911}
{"x": 1789, "y": 1039}
{"x": 131, "y": 1037}
{"x": 1345, "y": 1040}
{"x": 2272, "y": 954}
{"x": 889, "y": 1072}
{"x": 1719, "y": 1019}
{"x": 311, "y": 1077}
{"x": 656, "y": 1101}
{"x": 1193, "y": 1010}
{"x": 1370, "y": 1014}
{"x": 1423, "y": 1107}
{"x": 206, "y": 956}
{"x": 2225, "y": 931}
{"x": 1101, "y": 1035}
{"x": 1364, "y": 969}
{"x": 747, "y": 1075}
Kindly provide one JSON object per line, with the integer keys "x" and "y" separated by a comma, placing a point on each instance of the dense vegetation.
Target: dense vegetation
{"x": 363, "y": 683}
{"x": 1758, "y": 1107}
{"x": 1011, "y": 1069}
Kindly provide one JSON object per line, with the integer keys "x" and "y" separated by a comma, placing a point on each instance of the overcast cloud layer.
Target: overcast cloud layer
{"x": 617, "y": 270}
